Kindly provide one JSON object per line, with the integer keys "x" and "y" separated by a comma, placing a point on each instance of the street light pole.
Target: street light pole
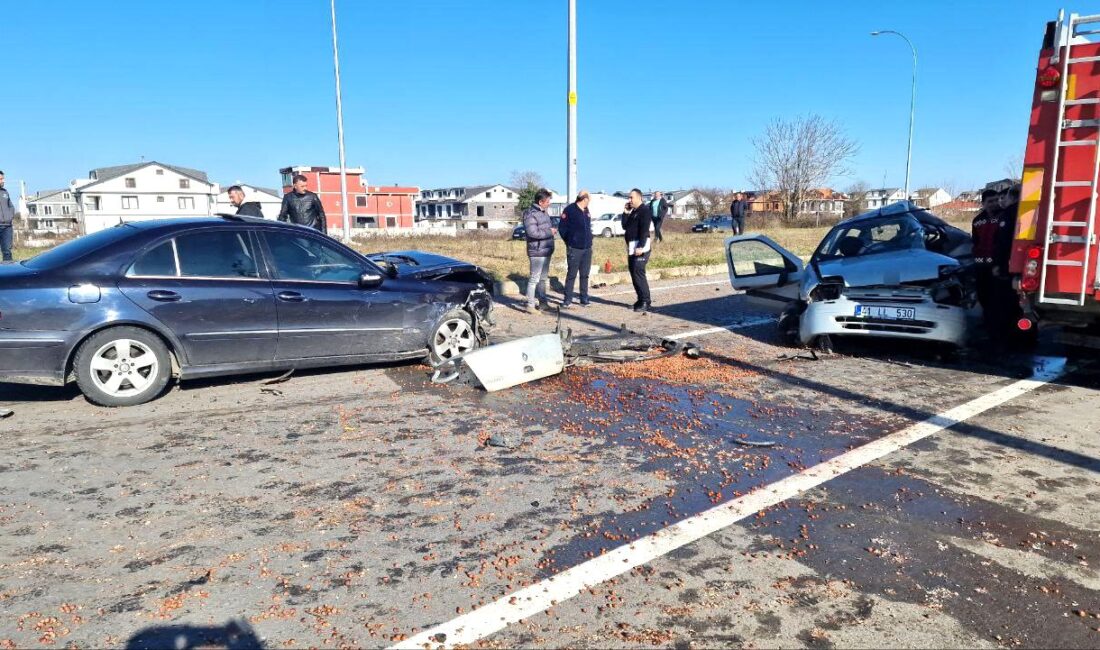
{"x": 571, "y": 119}
{"x": 912, "y": 104}
{"x": 340, "y": 131}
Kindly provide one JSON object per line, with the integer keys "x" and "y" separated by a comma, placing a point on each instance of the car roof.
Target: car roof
{"x": 186, "y": 223}
{"x": 892, "y": 210}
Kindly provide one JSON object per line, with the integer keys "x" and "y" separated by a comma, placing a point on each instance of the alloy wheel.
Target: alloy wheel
{"x": 124, "y": 368}
{"x": 452, "y": 338}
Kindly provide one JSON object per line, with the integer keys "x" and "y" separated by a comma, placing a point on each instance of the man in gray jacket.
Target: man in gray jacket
{"x": 540, "y": 248}
{"x": 7, "y": 216}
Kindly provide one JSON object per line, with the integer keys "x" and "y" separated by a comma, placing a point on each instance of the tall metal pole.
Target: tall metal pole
{"x": 340, "y": 131}
{"x": 571, "y": 120}
{"x": 912, "y": 104}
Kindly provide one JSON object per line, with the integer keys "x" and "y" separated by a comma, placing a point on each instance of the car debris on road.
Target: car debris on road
{"x": 527, "y": 359}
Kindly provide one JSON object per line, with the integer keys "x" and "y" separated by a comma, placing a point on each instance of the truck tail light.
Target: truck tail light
{"x": 1024, "y": 324}
{"x": 1049, "y": 77}
{"x": 1030, "y": 279}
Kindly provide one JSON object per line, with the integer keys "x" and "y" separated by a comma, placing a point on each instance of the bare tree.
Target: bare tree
{"x": 1014, "y": 167}
{"x": 795, "y": 156}
{"x": 709, "y": 201}
{"x": 521, "y": 180}
{"x": 857, "y": 193}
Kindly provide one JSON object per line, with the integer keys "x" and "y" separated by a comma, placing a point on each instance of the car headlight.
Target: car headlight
{"x": 826, "y": 291}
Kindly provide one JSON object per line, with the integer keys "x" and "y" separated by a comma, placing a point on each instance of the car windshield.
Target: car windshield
{"x": 71, "y": 251}
{"x": 871, "y": 236}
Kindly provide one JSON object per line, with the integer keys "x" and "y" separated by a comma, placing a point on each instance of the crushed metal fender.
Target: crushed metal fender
{"x": 509, "y": 364}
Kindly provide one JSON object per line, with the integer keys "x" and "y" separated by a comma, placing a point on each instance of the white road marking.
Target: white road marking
{"x": 752, "y": 322}
{"x": 556, "y": 589}
{"x": 675, "y": 286}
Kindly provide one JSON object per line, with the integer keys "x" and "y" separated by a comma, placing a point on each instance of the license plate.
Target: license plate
{"x": 887, "y": 313}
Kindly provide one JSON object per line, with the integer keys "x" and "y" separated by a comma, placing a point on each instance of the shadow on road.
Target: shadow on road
{"x": 234, "y": 635}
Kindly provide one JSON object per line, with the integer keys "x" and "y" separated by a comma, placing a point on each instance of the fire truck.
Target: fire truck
{"x": 1055, "y": 260}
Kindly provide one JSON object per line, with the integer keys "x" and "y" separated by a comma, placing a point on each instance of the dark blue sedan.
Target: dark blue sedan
{"x": 124, "y": 310}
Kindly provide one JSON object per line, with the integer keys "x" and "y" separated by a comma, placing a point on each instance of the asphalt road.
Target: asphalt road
{"x": 361, "y": 507}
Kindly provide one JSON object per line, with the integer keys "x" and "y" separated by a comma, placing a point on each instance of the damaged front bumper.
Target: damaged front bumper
{"x": 890, "y": 313}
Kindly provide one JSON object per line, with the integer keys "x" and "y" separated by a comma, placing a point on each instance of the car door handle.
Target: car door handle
{"x": 163, "y": 295}
{"x": 291, "y": 296}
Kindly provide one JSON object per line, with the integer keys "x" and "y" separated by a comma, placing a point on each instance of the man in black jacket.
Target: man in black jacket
{"x": 575, "y": 229}
{"x": 637, "y": 220}
{"x": 303, "y": 207}
{"x": 737, "y": 211}
{"x": 244, "y": 209}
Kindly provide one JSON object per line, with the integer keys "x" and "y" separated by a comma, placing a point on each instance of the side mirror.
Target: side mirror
{"x": 370, "y": 280}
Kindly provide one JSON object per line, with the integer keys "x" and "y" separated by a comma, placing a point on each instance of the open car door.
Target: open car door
{"x": 764, "y": 270}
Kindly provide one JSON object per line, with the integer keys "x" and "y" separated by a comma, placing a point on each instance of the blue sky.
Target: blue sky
{"x": 449, "y": 92}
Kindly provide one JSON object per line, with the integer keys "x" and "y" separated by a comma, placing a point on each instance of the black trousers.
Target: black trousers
{"x": 637, "y": 264}
{"x": 738, "y": 225}
{"x": 657, "y": 229}
{"x": 579, "y": 261}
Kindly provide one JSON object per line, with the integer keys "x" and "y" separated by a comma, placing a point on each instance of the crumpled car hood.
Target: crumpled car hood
{"x": 887, "y": 269}
{"x": 419, "y": 265}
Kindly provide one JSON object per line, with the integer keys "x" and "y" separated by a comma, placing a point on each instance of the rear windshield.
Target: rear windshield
{"x": 71, "y": 251}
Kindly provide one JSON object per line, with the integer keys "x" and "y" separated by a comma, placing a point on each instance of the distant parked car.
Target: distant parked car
{"x": 608, "y": 225}
{"x": 716, "y": 223}
{"x": 519, "y": 232}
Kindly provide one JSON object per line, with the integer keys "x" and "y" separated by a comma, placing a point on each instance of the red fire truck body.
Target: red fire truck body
{"x": 1055, "y": 258}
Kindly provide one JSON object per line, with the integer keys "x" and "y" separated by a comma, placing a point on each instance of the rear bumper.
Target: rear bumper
{"x": 931, "y": 322}
{"x": 33, "y": 357}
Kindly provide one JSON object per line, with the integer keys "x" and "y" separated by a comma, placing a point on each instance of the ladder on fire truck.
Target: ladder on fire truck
{"x": 1068, "y": 35}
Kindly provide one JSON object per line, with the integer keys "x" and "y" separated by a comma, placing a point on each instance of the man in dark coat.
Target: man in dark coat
{"x": 576, "y": 231}
{"x": 540, "y": 248}
{"x": 244, "y": 208}
{"x": 738, "y": 209}
{"x": 303, "y": 207}
{"x": 637, "y": 220}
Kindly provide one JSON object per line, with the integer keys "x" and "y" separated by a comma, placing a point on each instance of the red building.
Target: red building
{"x": 382, "y": 207}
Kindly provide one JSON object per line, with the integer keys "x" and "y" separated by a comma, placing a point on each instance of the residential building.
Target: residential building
{"x": 969, "y": 196}
{"x": 930, "y": 197}
{"x": 958, "y": 205}
{"x": 370, "y": 207}
{"x": 881, "y": 197}
{"x": 478, "y": 206}
{"x": 683, "y": 204}
{"x": 52, "y": 211}
{"x": 270, "y": 200}
{"x": 142, "y": 191}
{"x": 823, "y": 202}
{"x": 765, "y": 202}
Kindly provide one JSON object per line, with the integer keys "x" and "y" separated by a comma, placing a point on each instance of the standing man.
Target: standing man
{"x": 7, "y": 218}
{"x": 540, "y": 248}
{"x": 658, "y": 207}
{"x": 576, "y": 232}
{"x": 637, "y": 220}
{"x": 249, "y": 209}
{"x": 303, "y": 207}
{"x": 984, "y": 232}
{"x": 737, "y": 212}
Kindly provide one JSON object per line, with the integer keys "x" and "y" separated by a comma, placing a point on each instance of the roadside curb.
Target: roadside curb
{"x": 510, "y": 288}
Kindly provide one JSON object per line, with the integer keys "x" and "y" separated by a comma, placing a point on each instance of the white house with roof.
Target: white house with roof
{"x": 881, "y": 197}
{"x": 270, "y": 200}
{"x": 930, "y": 197}
{"x": 52, "y": 211}
{"x": 477, "y": 206}
{"x": 140, "y": 192}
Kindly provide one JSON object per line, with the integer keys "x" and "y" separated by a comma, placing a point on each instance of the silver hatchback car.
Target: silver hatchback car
{"x": 897, "y": 272}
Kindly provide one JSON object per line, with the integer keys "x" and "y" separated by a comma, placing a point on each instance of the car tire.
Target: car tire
{"x": 607, "y": 232}
{"x": 122, "y": 366}
{"x": 824, "y": 344}
{"x": 789, "y": 322}
{"x": 452, "y": 336}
